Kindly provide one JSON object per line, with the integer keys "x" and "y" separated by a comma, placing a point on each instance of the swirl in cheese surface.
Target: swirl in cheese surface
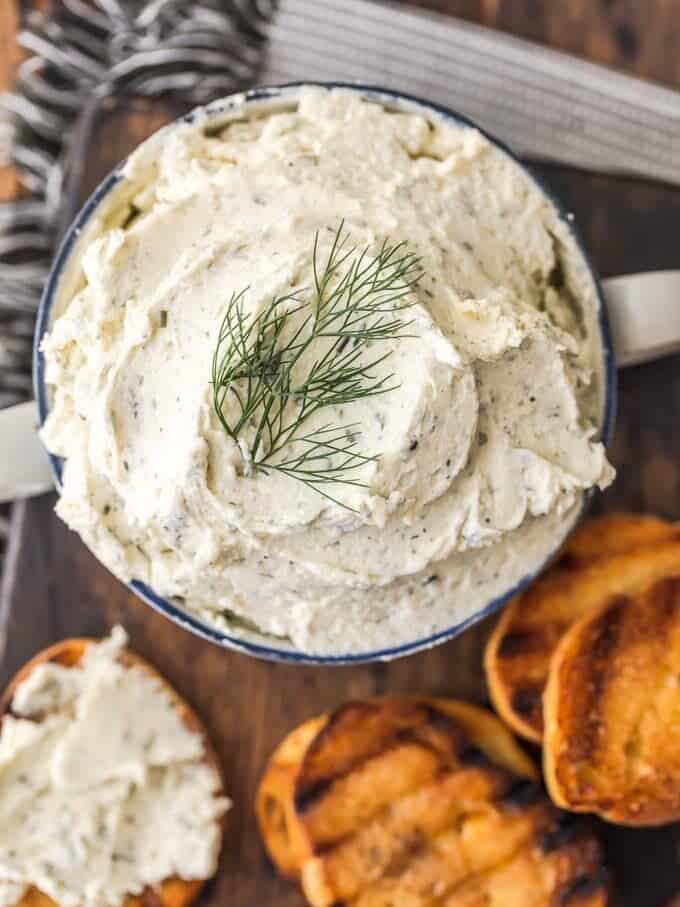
{"x": 485, "y": 449}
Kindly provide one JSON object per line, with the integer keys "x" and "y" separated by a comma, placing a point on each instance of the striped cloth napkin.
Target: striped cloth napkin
{"x": 544, "y": 104}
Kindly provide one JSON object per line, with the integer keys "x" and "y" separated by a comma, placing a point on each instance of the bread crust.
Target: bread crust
{"x": 174, "y": 892}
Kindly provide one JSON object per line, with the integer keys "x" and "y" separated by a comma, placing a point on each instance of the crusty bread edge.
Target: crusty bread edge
{"x": 551, "y": 698}
{"x": 498, "y": 691}
{"x": 275, "y": 792}
{"x": 173, "y": 892}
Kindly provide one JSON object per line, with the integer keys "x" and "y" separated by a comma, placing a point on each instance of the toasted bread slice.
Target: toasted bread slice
{"x": 416, "y": 802}
{"x": 612, "y": 711}
{"x": 518, "y": 653}
{"x": 174, "y": 892}
{"x": 616, "y": 533}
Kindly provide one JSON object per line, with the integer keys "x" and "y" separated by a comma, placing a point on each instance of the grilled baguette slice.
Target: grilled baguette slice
{"x": 612, "y": 711}
{"x": 416, "y": 802}
{"x": 613, "y": 555}
{"x": 616, "y": 533}
{"x": 174, "y": 892}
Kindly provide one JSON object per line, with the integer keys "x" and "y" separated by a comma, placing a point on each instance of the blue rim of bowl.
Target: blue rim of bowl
{"x": 175, "y": 612}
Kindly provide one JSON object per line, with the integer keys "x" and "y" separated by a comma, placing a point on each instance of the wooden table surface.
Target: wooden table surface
{"x": 248, "y": 706}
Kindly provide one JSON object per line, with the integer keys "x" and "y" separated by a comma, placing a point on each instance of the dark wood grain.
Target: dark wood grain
{"x": 248, "y": 705}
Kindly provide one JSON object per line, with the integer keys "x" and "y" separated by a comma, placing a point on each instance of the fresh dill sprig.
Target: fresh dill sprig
{"x": 266, "y": 363}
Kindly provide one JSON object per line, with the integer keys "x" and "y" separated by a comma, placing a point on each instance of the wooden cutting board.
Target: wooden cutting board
{"x": 59, "y": 590}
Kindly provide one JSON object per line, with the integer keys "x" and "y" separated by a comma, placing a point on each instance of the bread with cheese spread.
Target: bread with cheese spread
{"x": 170, "y": 892}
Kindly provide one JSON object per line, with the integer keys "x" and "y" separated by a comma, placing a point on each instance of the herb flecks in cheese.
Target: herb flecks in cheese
{"x": 486, "y": 448}
{"x": 103, "y": 788}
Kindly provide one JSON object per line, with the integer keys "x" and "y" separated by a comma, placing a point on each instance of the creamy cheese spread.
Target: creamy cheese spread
{"x": 103, "y": 788}
{"x": 485, "y": 449}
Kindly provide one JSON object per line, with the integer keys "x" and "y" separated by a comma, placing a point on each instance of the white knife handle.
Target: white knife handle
{"x": 644, "y": 311}
{"x": 24, "y": 467}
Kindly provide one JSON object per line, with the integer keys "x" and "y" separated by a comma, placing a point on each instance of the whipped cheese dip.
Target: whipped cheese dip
{"x": 484, "y": 450}
{"x": 103, "y": 788}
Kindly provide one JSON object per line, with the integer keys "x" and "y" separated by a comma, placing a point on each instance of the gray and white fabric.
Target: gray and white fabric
{"x": 544, "y": 104}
